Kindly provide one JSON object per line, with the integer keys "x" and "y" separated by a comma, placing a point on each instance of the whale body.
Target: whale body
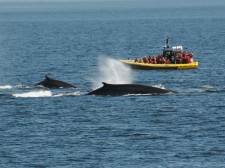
{"x": 126, "y": 89}
{"x": 52, "y": 83}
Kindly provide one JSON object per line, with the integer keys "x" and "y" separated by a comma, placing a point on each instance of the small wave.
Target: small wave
{"x": 6, "y": 87}
{"x": 139, "y": 94}
{"x": 206, "y": 87}
{"x": 150, "y": 94}
{"x": 67, "y": 94}
{"x": 1, "y": 94}
{"x": 22, "y": 87}
{"x": 34, "y": 94}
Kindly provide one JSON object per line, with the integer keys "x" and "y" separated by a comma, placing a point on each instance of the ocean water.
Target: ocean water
{"x": 79, "y": 43}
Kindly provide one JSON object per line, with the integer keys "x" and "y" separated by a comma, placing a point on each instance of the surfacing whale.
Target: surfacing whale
{"x": 52, "y": 83}
{"x": 126, "y": 89}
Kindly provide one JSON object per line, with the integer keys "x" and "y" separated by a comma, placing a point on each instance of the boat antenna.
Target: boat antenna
{"x": 167, "y": 42}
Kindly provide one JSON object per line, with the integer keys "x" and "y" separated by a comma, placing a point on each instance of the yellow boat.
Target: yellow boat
{"x": 146, "y": 66}
{"x": 171, "y": 58}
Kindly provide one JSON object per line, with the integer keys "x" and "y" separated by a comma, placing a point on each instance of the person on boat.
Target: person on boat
{"x": 163, "y": 60}
{"x": 178, "y": 58}
{"x": 140, "y": 61}
{"x": 150, "y": 60}
{"x": 136, "y": 60}
{"x": 159, "y": 59}
{"x": 173, "y": 59}
{"x": 153, "y": 60}
{"x": 167, "y": 61}
{"x": 184, "y": 58}
{"x": 168, "y": 55}
{"x": 145, "y": 60}
{"x": 191, "y": 56}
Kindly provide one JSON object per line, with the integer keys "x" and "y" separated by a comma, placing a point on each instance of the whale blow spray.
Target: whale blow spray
{"x": 112, "y": 71}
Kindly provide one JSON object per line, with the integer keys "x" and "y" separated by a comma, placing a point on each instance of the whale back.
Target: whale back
{"x": 52, "y": 83}
{"x": 125, "y": 89}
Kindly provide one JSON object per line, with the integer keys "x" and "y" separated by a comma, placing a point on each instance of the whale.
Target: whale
{"x": 127, "y": 89}
{"x": 52, "y": 83}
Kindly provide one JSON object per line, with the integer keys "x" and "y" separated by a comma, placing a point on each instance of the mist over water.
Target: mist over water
{"x": 112, "y": 71}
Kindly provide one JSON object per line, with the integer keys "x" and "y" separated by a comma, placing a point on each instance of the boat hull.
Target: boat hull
{"x": 146, "y": 66}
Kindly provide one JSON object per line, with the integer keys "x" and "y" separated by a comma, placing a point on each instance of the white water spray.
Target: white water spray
{"x": 6, "y": 87}
{"x": 34, "y": 94}
{"x": 112, "y": 71}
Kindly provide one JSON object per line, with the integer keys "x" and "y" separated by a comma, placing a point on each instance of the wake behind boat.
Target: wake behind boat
{"x": 171, "y": 58}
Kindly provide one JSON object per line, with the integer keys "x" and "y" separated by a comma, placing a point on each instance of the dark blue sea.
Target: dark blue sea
{"x": 80, "y": 43}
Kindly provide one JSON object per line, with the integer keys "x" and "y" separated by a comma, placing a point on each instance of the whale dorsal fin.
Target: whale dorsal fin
{"x": 46, "y": 77}
{"x": 106, "y": 84}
